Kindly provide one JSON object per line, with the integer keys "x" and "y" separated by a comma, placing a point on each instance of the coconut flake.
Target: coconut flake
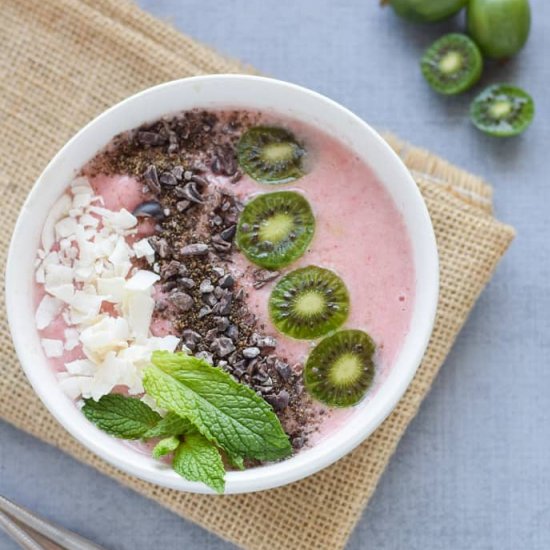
{"x": 57, "y": 211}
{"x": 107, "y": 335}
{"x": 75, "y": 386}
{"x": 123, "y": 219}
{"x": 107, "y": 376}
{"x": 139, "y": 308}
{"x": 51, "y": 347}
{"x": 86, "y": 220}
{"x": 40, "y": 276}
{"x": 143, "y": 249}
{"x": 112, "y": 288}
{"x": 81, "y": 185}
{"x": 57, "y": 274}
{"x": 83, "y": 367}
{"x": 142, "y": 281}
{"x": 82, "y": 200}
{"x": 65, "y": 293}
{"x": 71, "y": 338}
{"x": 163, "y": 343}
{"x": 148, "y": 400}
{"x": 65, "y": 227}
{"x": 48, "y": 309}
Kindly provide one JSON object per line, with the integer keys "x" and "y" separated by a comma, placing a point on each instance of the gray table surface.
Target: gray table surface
{"x": 472, "y": 472}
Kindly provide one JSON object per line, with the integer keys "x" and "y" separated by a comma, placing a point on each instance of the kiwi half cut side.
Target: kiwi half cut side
{"x": 274, "y": 229}
{"x": 502, "y": 110}
{"x": 452, "y": 64}
{"x": 270, "y": 155}
{"x": 308, "y": 303}
{"x": 340, "y": 369}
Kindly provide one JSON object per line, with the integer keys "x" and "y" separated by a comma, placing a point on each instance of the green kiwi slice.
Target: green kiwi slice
{"x": 340, "y": 369}
{"x": 452, "y": 64}
{"x": 309, "y": 302}
{"x": 275, "y": 229}
{"x": 502, "y": 110}
{"x": 270, "y": 155}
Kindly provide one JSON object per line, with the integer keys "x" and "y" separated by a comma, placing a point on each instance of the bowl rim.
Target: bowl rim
{"x": 303, "y": 464}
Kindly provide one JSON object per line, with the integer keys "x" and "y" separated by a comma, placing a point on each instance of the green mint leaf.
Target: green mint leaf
{"x": 225, "y": 412}
{"x": 121, "y": 416}
{"x": 171, "y": 424}
{"x": 165, "y": 446}
{"x": 236, "y": 461}
{"x": 196, "y": 459}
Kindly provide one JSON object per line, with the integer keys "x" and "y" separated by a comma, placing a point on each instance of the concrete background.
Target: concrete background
{"x": 473, "y": 470}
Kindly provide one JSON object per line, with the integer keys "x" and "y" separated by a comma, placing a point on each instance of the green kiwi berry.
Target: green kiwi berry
{"x": 275, "y": 229}
{"x": 270, "y": 155}
{"x": 502, "y": 110}
{"x": 340, "y": 369}
{"x": 500, "y": 27}
{"x": 452, "y": 64}
{"x": 308, "y": 303}
{"x": 427, "y": 11}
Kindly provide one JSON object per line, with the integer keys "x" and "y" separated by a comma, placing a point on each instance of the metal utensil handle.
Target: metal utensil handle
{"x": 63, "y": 537}
{"x": 18, "y": 534}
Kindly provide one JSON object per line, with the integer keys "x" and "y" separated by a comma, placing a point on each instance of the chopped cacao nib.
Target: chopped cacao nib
{"x": 151, "y": 179}
{"x": 182, "y": 301}
{"x": 222, "y": 346}
{"x": 196, "y": 249}
{"x": 227, "y": 281}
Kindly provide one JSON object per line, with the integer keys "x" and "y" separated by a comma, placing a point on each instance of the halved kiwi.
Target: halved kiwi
{"x": 275, "y": 229}
{"x": 270, "y": 155}
{"x": 309, "y": 302}
{"x": 452, "y": 64}
{"x": 340, "y": 369}
{"x": 502, "y": 110}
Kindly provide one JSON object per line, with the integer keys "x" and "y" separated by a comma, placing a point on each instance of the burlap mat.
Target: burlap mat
{"x": 64, "y": 61}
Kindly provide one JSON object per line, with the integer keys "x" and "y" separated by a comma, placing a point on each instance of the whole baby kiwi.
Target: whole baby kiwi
{"x": 427, "y": 11}
{"x": 499, "y": 27}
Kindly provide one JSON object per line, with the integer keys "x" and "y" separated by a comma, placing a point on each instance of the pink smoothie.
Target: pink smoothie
{"x": 360, "y": 235}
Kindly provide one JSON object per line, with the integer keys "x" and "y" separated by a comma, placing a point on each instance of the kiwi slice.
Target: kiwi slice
{"x": 452, "y": 64}
{"x": 270, "y": 155}
{"x": 275, "y": 229}
{"x": 340, "y": 369}
{"x": 309, "y": 302}
{"x": 502, "y": 110}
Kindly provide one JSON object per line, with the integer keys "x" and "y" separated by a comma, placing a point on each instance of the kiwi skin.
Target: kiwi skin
{"x": 287, "y": 251}
{"x": 314, "y": 284}
{"x": 355, "y": 349}
{"x": 427, "y": 11}
{"x": 499, "y": 27}
{"x": 452, "y": 64}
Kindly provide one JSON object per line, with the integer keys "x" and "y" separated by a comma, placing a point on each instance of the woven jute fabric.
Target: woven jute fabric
{"x": 64, "y": 61}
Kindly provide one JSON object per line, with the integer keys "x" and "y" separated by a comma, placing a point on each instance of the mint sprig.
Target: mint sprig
{"x": 121, "y": 416}
{"x": 171, "y": 424}
{"x": 166, "y": 446}
{"x": 207, "y": 411}
{"x": 227, "y": 413}
{"x": 197, "y": 459}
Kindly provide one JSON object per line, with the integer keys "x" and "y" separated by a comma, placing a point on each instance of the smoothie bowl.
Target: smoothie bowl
{"x": 223, "y": 283}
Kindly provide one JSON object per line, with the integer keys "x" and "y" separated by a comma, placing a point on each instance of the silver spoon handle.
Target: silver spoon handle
{"x": 18, "y": 534}
{"x": 62, "y": 537}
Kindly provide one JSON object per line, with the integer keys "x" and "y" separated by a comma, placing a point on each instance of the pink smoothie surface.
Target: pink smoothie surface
{"x": 359, "y": 234}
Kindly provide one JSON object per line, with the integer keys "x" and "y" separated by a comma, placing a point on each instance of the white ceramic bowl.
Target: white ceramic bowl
{"x": 220, "y": 91}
